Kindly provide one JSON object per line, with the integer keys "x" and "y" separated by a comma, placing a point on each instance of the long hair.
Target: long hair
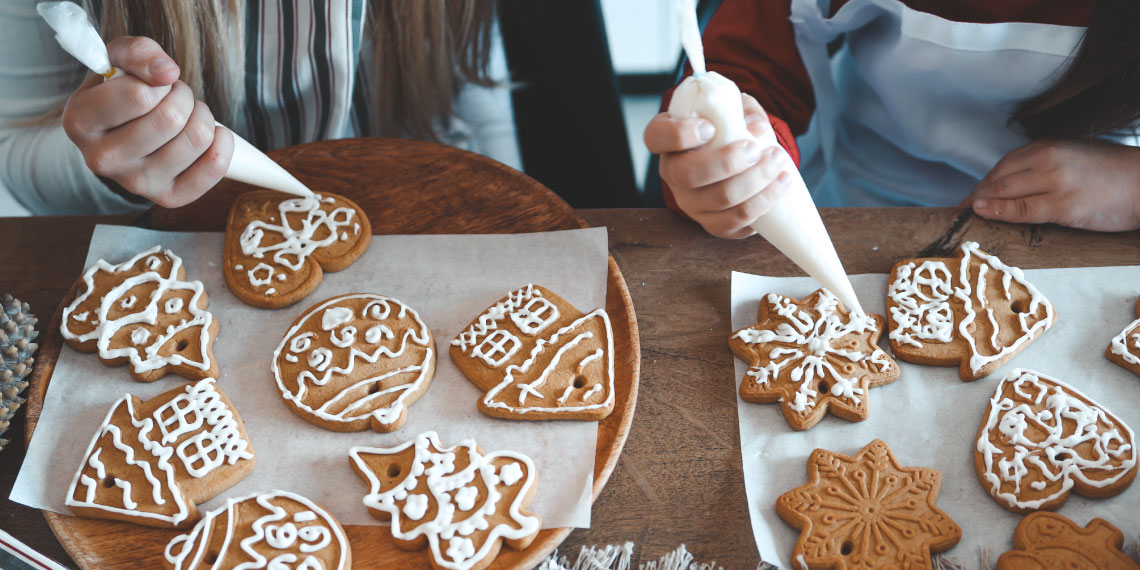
{"x": 1099, "y": 94}
{"x": 422, "y": 53}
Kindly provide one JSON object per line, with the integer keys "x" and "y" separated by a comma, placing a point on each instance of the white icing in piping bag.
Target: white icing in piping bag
{"x": 74, "y": 32}
{"x": 793, "y": 224}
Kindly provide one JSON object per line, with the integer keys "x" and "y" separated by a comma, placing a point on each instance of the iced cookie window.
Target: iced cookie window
{"x": 497, "y": 347}
{"x": 535, "y": 316}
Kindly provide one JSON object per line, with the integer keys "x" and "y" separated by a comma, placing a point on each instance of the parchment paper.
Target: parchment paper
{"x": 447, "y": 279}
{"x": 930, "y": 418}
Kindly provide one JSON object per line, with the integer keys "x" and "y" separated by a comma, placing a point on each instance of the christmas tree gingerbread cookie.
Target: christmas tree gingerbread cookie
{"x": 459, "y": 501}
{"x": 144, "y": 313}
{"x": 278, "y": 248}
{"x": 972, "y": 311}
{"x": 537, "y": 357}
{"x": 813, "y": 357}
{"x": 1124, "y": 349}
{"x": 152, "y": 462}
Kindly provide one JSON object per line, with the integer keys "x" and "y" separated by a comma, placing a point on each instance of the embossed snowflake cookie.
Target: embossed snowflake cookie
{"x": 1042, "y": 439}
{"x": 1049, "y": 540}
{"x": 1124, "y": 349}
{"x": 355, "y": 361}
{"x": 812, "y": 356}
{"x": 972, "y": 311}
{"x": 277, "y": 529}
{"x": 459, "y": 501}
{"x": 144, "y": 313}
{"x": 536, "y": 357}
{"x": 867, "y": 511}
{"x": 152, "y": 462}
{"x": 278, "y": 248}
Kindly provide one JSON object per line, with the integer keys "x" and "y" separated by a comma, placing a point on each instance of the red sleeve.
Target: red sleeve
{"x": 752, "y": 42}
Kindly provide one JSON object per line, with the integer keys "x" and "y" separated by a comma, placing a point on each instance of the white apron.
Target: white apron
{"x": 913, "y": 109}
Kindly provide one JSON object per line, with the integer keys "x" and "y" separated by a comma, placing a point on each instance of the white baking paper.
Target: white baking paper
{"x": 447, "y": 279}
{"x": 930, "y": 418}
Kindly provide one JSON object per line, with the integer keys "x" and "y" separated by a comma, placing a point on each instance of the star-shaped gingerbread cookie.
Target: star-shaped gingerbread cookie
{"x": 867, "y": 511}
{"x": 1049, "y": 540}
{"x": 812, "y": 356}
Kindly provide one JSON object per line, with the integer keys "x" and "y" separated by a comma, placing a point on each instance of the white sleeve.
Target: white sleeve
{"x": 39, "y": 166}
{"x": 487, "y": 111}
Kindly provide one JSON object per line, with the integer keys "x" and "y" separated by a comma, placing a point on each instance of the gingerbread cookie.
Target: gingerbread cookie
{"x": 152, "y": 462}
{"x": 145, "y": 313}
{"x": 277, "y": 529}
{"x": 1049, "y": 540}
{"x": 972, "y": 311}
{"x": 1041, "y": 439}
{"x": 539, "y": 358}
{"x": 1125, "y": 347}
{"x": 355, "y": 361}
{"x": 461, "y": 502}
{"x": 278, "y": 247}
{"x": 812, "y": 356}
{"x": 867, "y": 511}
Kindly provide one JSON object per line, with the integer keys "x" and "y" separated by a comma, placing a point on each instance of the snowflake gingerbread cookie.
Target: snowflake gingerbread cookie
{"x": 972, "y": 311}
{"x": 278, "y": 248}
{"x": 1049, "y": 540}
{"x": 355, "y": 361}
{"x": 1042, "y": 439}
{"x": 152, "y": 462}
{"x": 459, "y": 501}
{"x": 144, "y": 313}
{"x": 812, "y": 357}
{"x": 1124, "y": 349}
{"x": 275, "y": 530}
{"x": 536, "y": 357}
{"x": 867, "y": 511}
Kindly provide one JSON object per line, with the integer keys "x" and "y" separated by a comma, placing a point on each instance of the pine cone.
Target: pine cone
{"x": 17, "y": 331}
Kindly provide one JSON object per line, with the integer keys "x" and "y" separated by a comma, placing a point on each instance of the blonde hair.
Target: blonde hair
{"x": 423, "y": 51}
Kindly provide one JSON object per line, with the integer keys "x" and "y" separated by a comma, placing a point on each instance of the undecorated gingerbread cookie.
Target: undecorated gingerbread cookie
{"x": 1042, "y": 439}
{"x": 867, "y": 511}
{"x": 459, "y": 501}
{"x": 275, "y": 530}
{"x": 152, "y": 462}
{"x": 537, "y": 357}
{"x": 1045, "y": 540}
{"x": 812, "y": 356}
{"x": 355, "y": 361}
{"x": 972, "y": 311}
{"x": 1125, "y": 347}
{"x": 279, "y": 247}
{"x": 143, "y": 312}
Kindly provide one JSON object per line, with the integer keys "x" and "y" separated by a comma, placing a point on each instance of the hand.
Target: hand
{"x": 145, "y": 130}
{"x": 1091, "y": 185}
{"x": 724, "y": 189}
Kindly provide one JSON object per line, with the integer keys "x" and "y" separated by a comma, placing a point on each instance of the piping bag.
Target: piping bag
{"x": 74, "y": 32}
{"x": 793, "y": 224}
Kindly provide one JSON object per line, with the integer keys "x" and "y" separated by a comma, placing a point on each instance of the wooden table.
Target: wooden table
{"x": 679, "y": 478}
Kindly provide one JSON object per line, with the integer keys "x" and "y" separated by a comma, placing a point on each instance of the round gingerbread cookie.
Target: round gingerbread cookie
{"x": 355, "y": 361}
{"x": 277, "y": 529}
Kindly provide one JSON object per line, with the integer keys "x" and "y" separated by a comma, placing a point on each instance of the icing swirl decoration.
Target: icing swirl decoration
{"x": 813, "y": 357}
{"x": 145, "y": 313}
{"x": 459, "y": 500}
{"x": 1124, "y": 348}
{"x": 338, "y": 378}
{"x": 278, "y": 248}
{"x": 277, "y": 530}
{"x": 1042, "y": 439}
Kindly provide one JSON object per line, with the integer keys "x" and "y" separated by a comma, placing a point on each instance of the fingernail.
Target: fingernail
{"x": 161, "y": 66}
{"x": 753, "y": 118}
{"x": 981, "y": 204}
{"x": 705, "y": 131}
{"x": 752, "y": 151}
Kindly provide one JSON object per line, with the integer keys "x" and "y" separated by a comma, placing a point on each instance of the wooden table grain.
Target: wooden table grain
{"x": 679, "y": 478}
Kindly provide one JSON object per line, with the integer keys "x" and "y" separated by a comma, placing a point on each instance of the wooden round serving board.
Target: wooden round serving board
{"x": 406, "y": 187}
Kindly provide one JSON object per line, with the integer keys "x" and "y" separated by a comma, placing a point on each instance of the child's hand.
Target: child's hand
{"x": 145, "y": 130}
{"x": 1080, "y": 184}
{"x": 725, "y": 189}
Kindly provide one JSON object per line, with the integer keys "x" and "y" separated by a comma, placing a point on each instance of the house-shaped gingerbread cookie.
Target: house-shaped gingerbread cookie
{"x": 537, "y": 357}
{"x": 151, "y": 462}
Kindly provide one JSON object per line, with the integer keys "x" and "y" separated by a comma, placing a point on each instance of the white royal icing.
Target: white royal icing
{"x": 448, "y": 534}
{"x": 1127, "y": 346}
{"x": 922, "y": 304}
{"x": 1043, "y": 430}
{"x": 292, "y": 245}
{"x": 488, "y": 321}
